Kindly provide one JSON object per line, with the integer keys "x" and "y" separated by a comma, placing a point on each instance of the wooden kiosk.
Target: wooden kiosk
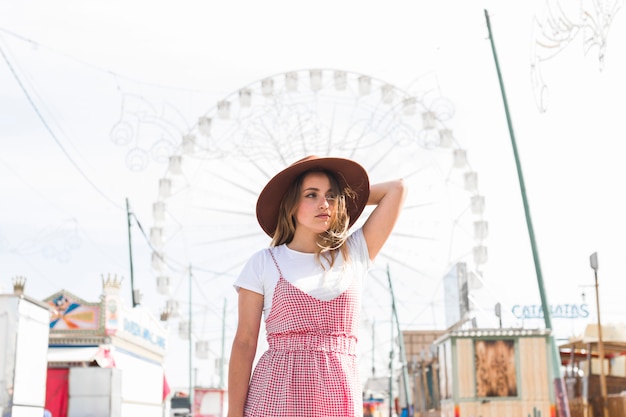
{"x": 583, "y": 372}
{"x": 495, "y": 373}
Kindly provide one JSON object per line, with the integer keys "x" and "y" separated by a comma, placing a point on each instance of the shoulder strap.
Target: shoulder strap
{"x": 275, "y": 263}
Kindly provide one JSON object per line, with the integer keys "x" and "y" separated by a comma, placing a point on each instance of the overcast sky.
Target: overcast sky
{"x": 72, "y": 70}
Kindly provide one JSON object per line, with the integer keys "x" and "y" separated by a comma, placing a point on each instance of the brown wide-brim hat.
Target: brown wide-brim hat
{"x": 349, "y": 174}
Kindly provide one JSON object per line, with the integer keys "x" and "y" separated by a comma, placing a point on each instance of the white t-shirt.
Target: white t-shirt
{"x": 304, "y": 271}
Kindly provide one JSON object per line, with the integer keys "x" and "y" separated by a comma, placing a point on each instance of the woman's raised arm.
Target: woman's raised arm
{"x": 388, "y": 197}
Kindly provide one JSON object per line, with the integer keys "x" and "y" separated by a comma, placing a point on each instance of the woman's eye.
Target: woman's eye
{"x": 330, "y": 197}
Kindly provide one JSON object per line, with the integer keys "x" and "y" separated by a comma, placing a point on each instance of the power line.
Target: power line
{"x": 52, "y": 134}
{"x": 98, "y": 68}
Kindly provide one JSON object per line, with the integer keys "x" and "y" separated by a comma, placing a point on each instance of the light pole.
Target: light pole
{"x": 405, "y": 374}
{"x": 130, "y": 253}
{"x": 560, "y": 394}
{"x": 593, "y": 260}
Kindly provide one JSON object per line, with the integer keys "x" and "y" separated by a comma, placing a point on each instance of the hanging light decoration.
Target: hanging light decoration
{"x": 291, "y": 81}
{"x": 365, "y": 85}
{"x": 165, "y": 187}
{"x": 245, "y": 97}
{"x": 341, "y": 80}
{"x": 267, "y": 87}
{"x": 554, "y": 31}
{"x": 446, "y": 138}
{"x": 161, "y": 150}
{"x": 223, "y": 109}
{"x": 387, "y": 93}
{"x": 471, "y": 181}
{"x": 189, "y": 144}
{"x": 137, "y": 159}
{"x": 316, "y": 79}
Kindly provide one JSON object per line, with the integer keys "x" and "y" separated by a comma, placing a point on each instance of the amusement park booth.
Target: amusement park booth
{"x": 495, "y": 373}
{"x": 584, "y": 371}
{"x": 104, "y": 359}
{"x": 23, "y": 345}
{"x": 422, "y": 366}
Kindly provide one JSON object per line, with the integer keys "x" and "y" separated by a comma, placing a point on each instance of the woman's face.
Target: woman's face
{"x": 316, "y": 206}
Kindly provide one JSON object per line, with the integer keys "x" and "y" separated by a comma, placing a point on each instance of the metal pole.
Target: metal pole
{"x": 405, "y": 374}
{"x": 605, "y": 409}
{"x": 190, "y": 349}
{"x": 391, "y": 368}
{"x": 373, "y": 348}
{"x": 559, "y": 386}
{"x": 223, "y": 346}
{"x": 130, "y": 253}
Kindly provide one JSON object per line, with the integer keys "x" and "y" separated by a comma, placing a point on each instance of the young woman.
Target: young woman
{"x": 307, "y": 287}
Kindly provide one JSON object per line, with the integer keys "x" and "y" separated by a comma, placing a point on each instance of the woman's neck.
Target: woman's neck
{"x": 304, "y": 243}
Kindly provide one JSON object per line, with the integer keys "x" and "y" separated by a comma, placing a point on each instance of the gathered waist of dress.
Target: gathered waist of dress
{"x": 313, "y": 342}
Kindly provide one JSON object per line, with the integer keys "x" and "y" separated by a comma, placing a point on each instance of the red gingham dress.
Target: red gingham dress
{"x": 310, "y": 368}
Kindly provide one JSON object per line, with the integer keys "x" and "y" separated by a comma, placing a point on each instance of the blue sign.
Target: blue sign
{"x": 558, "y": 311}
{"x": 148, "y": 335}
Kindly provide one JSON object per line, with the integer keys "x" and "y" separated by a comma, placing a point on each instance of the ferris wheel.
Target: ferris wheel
{"x": 204, "y": 215}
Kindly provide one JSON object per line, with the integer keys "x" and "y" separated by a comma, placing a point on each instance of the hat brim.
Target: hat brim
{"x": 349, "y": 174}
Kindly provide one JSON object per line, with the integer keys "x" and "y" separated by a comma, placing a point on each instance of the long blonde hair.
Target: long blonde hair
{"x": 335, "y": 237}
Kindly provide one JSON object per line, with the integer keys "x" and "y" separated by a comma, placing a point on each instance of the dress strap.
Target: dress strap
{"x": 275, "y": 263}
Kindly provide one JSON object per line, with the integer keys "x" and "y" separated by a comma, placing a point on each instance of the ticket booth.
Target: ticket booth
{"x": 495, "y": 373}
{"x": 104, "y": 359}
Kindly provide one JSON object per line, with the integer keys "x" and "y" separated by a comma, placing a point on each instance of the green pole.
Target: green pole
{"x": 130, "y": 253}
{"x": 222, "y": 361}
{"x": 405, "y": 374}
{"x": 190, "y": 347}
{"x": 559, "y": 386}
{"x": 391, "y": 353}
